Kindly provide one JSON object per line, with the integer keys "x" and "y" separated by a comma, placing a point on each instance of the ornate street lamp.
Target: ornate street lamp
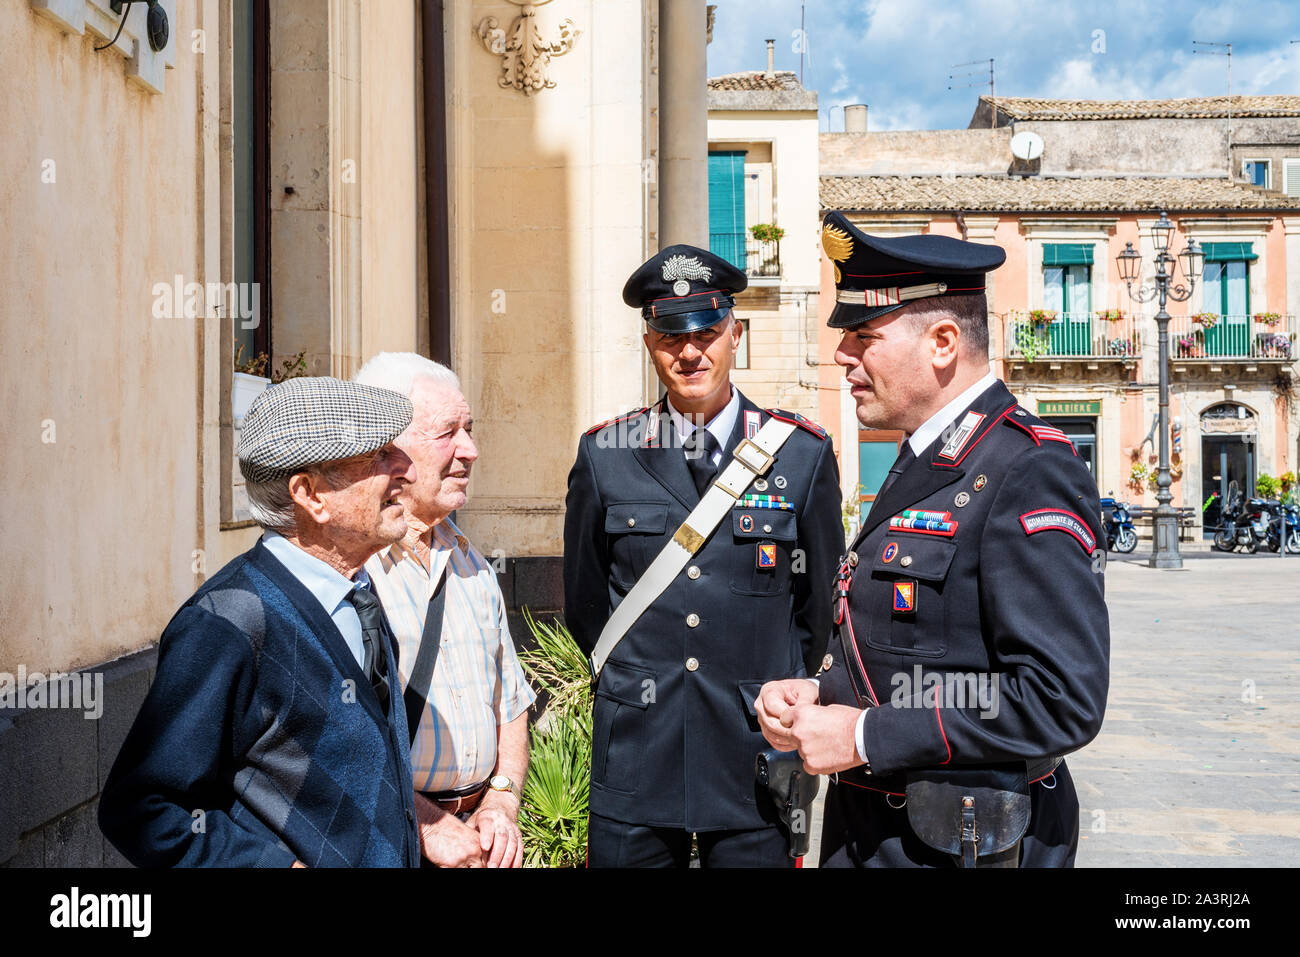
{"x": 1165, "y": 553}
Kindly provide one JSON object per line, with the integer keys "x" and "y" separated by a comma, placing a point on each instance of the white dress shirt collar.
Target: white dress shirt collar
{"x": 720, "y": 425}
{"x": 325, "y": 583}
{"x": 921, "y": 439}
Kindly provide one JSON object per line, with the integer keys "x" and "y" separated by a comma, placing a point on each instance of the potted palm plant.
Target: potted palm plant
{"x": 553, "y": 811}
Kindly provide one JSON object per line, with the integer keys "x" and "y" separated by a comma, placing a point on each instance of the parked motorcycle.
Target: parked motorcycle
{"x": 1121, "y": 536}
{"x": 1251, "y": 523}
{"x": 1284, "y": 525}
{"x": 1236, "y": 529}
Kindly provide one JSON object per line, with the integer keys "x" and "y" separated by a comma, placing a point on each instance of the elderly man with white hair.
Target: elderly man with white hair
{"x": 466, "y": 693}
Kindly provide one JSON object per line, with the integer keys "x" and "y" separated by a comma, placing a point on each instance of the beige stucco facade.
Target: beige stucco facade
{"x": 119, "y": 487}
{"x": 553, "y": 207}
{"x": 780, "y": 148}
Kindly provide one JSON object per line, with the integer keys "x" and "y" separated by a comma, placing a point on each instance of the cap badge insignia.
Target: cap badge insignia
{"x": 838, "y": 245}
{"x": 681, "y": 268}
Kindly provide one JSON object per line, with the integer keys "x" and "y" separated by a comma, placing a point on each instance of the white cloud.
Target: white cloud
{"x": 896, "y": 56}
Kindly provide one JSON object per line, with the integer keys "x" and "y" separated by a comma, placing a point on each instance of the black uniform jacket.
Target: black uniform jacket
{"x": 675, "y": 733}
{"x": 988, "y": 640}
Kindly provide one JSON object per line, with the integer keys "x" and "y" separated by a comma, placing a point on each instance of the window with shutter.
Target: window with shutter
{"x": 727, "y": 206}
{"x": 1291, "y": 177}
{"x": 1067, "y": 291}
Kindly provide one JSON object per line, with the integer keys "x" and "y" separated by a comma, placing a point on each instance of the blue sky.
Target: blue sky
{"x": 896, "y": 56}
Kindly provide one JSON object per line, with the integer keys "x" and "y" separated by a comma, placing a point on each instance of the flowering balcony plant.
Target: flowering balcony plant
{"x": 1111, "y": 315}
{"x": 1274, "y": 346}
{"x": 1042, "y": 317}
{"x": 1269, "y": 319}
{"x": 1206, "y": 319}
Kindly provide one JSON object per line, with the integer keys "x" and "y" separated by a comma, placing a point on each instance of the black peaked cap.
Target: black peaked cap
{"x": 683, "y": 288}
{"x": 875, "y": 275}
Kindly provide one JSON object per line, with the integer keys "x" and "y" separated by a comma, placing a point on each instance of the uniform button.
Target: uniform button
{"x": 692, "y": 619}
{"x": 631, "y": 523}
{"x": 767, "y": 529}
{"x": 692, "y": 664}
{"x": 905, "y": 560}
{"x": 853, "y": 559}
{"x": 409, "y": 816}
{"x": 693, "y": 572}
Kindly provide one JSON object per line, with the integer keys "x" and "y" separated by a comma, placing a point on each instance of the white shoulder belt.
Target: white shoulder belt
{"x": 751, "y": 459}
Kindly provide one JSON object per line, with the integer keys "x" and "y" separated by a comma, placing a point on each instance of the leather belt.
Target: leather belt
{"x": 896, "y": 784}
{"x": 458, "y": 800}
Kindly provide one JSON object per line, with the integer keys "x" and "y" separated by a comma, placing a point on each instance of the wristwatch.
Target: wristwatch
{"x": 499, "y": 782}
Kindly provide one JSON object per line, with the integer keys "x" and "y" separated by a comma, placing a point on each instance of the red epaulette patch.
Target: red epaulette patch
{"x": 617, "y": 419}
{"x": 808, "y": 425}
{"x": 1040, "y": 432}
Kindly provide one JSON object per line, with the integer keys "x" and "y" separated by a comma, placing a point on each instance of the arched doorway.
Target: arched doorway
{"x": 1228, "y": 437}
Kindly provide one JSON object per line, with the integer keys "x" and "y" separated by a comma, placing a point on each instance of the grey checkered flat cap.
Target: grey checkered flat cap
{"x": 307, "y": 421}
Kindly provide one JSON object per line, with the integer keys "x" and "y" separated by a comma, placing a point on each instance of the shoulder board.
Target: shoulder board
{"x": 616, "y": 420}
{"x": 808, "y": 425}
{"x": 1038, "y": 430}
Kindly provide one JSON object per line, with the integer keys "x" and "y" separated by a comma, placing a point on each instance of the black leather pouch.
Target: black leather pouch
{"x": 971, "y": 813}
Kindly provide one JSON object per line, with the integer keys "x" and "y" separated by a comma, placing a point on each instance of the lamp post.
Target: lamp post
{"x": 1165, "y": 553}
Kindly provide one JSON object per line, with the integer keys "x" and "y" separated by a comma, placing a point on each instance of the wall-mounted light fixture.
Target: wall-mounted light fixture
{"x": 156, "y": 23}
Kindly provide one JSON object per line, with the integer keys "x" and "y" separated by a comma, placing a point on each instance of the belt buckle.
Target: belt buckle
{"x": 747, "y": 448}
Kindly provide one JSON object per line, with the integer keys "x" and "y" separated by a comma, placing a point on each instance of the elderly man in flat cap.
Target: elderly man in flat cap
{"x": 274, "y": 733}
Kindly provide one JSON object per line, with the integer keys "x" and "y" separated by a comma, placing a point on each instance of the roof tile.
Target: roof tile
{"x": 1045, "y": 193}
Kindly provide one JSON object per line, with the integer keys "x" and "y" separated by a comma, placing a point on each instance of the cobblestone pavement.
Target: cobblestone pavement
{"x": 1198, "y": 761}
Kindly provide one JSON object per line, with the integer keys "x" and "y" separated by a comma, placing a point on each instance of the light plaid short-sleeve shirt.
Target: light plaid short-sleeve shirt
{"x": 478, "y": 682}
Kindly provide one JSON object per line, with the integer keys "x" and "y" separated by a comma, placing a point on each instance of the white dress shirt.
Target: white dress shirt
{"x": 720, "y": 425}
{"x": 329, "y": 587}
{"x": 933, "y": 427}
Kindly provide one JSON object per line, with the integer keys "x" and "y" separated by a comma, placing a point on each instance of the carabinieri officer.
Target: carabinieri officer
{"x": 973, "y": 636}
{"x": 743, "y": 602}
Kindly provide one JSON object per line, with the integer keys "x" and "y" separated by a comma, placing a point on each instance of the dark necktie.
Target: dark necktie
{"x": 905, "y": 458}
{"x": 700, "y": 447}
{"x": 375, "y": 664}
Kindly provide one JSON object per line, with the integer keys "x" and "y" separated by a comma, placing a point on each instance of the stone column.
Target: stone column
{"x": 683, "y": 124}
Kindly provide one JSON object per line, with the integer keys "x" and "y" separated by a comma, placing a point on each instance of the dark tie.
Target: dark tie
{"x": 700, "y": 447}
{"x": 905, "y": 458}
{"x": 375, "y": 665}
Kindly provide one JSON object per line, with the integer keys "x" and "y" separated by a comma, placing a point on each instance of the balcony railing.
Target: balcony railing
{"x": 1211, "y": 337}
{"x": 759, "y": 260}
{"x": 1068, "y": 335}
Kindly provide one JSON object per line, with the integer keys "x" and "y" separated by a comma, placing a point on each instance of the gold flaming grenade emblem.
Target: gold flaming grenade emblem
{"x": 838, "y": 245}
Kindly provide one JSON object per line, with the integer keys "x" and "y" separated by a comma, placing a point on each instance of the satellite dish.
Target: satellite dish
{"x": 1026, "y": 146}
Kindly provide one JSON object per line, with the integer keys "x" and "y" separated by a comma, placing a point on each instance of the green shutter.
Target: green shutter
{"x": 1067, "y": 254}
{"x": 727, "y": 206}
{"x": 1228, "y": 252}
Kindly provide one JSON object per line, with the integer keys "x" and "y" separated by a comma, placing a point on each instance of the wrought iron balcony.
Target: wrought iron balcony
{"x": 1209, "y": 337}
{"x": 759, "y": 260}
{"x": 1043, "y": 334}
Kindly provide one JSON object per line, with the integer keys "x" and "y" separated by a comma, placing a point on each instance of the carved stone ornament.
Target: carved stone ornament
{"x": 525, "y": 55}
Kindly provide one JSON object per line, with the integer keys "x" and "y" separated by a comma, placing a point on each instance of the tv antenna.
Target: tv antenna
{"x": 993, "y": 111}
{"x": 1225, "y": 49}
